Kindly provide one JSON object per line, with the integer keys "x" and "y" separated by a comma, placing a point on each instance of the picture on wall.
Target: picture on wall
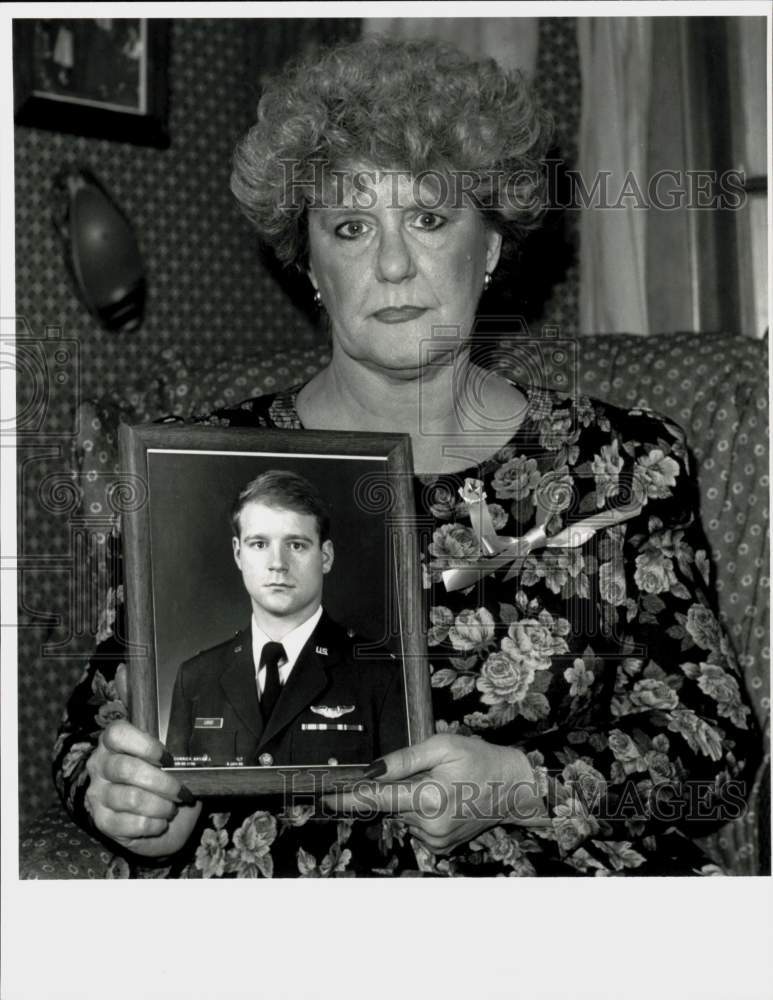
{"x": 100, "y": 77}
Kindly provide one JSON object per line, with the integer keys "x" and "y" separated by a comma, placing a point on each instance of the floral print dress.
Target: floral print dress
{"x": 603, "y": 662}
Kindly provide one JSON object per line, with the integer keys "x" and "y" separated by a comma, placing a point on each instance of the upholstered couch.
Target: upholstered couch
{"x": 713, "y": 385}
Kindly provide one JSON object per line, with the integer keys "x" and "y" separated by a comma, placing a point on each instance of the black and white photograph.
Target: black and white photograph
{"x": 385, "y": 440}
{"x": 272, "y": 587}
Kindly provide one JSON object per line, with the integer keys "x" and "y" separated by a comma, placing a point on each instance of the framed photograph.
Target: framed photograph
{"x": 274, "y": 603}
{"x": 102, "y": 77}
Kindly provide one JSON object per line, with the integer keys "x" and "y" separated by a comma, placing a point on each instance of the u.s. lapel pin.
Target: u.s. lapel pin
{"x": 321, "y": 650}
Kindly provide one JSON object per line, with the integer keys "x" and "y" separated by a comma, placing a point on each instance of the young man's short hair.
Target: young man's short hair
{"x": 283, "y": 491}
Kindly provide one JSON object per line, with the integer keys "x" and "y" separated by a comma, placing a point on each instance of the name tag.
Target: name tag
{"x": 340, "y": 727}
{"x": 207, "y": 722}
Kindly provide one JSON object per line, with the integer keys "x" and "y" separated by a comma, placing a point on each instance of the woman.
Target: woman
{"x": 586, "y": 704}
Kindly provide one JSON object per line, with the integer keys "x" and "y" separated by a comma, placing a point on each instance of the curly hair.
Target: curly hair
{"x": 414, "y": 106}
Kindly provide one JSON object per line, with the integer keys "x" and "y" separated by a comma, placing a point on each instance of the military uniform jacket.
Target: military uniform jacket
{"x": 342, "y": 703}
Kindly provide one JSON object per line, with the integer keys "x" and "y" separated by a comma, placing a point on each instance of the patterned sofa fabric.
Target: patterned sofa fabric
{"x": 53, "y": 847}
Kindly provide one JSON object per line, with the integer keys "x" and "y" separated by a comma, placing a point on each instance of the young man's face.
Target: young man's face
{"x": 282, "y": 563}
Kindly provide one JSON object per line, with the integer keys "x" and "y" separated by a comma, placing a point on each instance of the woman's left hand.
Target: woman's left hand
{"x": 448, "y": 790}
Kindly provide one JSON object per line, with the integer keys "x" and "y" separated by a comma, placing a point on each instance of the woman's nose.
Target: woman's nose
{"x": 395, "y": 262}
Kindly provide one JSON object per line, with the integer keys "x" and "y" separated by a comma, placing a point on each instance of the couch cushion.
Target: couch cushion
{"x": 53, "y": 847}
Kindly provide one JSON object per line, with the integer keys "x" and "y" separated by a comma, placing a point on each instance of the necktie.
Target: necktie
{"x": 270, "y": 657}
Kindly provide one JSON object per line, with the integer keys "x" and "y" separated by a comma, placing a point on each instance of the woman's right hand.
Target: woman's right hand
{"x": 130, "y": 799}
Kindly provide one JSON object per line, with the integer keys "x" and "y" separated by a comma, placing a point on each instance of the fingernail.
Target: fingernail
{"x": 186, "y": 797}
{"x": 167, "y": 760}
{"x": 376, "y": 769}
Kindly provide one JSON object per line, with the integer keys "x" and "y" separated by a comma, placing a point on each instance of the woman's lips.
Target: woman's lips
{"x": 399, "y": 315}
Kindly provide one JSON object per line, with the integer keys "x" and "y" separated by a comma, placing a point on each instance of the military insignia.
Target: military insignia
{"x": 321, "y": 650}
{"x": 208, "y": 722}
{"x": 332, "y": 711}
{"x": 339, "y": 727}
{"x": 237, "y": 649}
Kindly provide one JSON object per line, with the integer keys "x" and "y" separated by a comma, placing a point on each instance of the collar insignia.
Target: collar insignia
{"x": 321, "y": 650}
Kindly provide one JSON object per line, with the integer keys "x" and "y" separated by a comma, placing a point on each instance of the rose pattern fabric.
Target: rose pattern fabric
{"x": 605, "y": 664}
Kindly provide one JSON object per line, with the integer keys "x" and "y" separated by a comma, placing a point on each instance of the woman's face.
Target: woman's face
{"x": 395, "y": 275}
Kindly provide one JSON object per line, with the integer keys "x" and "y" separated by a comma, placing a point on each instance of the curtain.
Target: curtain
{"x": 271, "y": 41}
{"x": 615, "y": 63}
{"x": 512, "y": 41}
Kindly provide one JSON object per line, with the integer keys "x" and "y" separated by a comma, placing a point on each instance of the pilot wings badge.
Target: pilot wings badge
{"x": 332, "y": 711}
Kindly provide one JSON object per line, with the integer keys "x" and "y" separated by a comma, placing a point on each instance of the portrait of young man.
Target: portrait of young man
{"x": 292, "y": 688}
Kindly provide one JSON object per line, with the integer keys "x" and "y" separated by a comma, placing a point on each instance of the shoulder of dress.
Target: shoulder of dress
{"x": 276, "y": 411}
{"x": 252, "y": 412}
{"x": 640, "y": 422}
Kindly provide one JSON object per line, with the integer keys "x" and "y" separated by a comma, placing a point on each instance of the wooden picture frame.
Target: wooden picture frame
{"x": 184, "y": 593}
{"x": 101, "y": 77}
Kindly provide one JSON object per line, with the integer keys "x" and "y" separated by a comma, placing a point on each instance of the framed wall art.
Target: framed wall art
{"x": 100, "y": 77}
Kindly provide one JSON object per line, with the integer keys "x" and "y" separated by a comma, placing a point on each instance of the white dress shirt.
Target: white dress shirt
{"x": 293, "y": 643}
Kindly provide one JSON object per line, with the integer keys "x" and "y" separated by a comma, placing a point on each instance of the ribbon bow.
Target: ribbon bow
{"x": 503, "y": 550}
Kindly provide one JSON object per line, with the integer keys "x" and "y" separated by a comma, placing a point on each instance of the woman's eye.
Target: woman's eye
{"x": 350, "y": 230}
{"x": 430, "y": 221}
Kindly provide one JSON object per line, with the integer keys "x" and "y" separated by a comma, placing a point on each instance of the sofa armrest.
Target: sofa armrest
{"x": 53, "y": 847}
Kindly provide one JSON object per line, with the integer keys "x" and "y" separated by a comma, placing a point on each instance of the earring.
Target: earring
{"x": 486, "y": 281}
{"x": 317, "y": 298}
